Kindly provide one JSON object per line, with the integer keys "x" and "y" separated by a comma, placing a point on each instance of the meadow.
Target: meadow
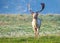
{"x": 18, "y": 29}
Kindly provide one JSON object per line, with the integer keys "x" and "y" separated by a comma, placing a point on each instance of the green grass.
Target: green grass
{"x": 13, "y": 25}
{"x": 43, "y": 39}
{"x": 18, "y": 29}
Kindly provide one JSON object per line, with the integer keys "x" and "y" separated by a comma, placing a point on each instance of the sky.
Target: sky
{"x": 20, "y": 6}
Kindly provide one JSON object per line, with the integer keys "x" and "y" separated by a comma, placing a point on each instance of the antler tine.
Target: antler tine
{"x": 29, "y": 8}
{"x": 43, "y": 6}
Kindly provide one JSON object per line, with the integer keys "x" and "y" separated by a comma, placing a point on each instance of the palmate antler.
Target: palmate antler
{"x": 42, "y": 4}
{"x": 29, "y": 8}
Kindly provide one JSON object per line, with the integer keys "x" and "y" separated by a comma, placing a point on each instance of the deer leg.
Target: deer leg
{"x": 36, "y": 32}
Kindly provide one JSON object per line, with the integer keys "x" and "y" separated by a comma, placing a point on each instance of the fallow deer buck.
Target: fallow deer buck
{"x": 36, "y": 22}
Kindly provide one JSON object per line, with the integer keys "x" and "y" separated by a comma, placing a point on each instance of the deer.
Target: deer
{"x": 36, "y": 22}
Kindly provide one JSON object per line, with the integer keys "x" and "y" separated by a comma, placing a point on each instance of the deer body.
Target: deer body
{"x": 36, "y": 22}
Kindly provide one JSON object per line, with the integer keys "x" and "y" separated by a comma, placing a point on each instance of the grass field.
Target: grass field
{"x": 44, "y": 39}
{"x": 18, "y": 29}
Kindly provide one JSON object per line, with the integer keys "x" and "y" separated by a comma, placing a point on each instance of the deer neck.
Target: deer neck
{"x": 35, "y": 19}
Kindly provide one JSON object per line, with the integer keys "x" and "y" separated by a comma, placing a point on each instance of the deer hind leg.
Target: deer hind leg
{"x": 36, "y": 32}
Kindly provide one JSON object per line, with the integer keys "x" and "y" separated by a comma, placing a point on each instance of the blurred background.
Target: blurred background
{"x": 20, "y": 6}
